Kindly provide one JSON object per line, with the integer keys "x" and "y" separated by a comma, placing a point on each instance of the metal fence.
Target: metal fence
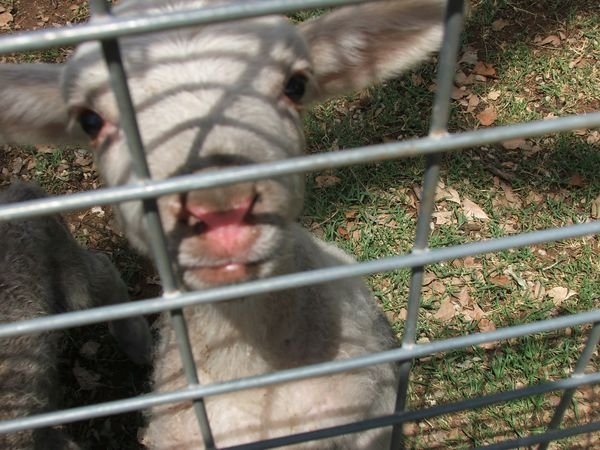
{"x": 433, "y": 146}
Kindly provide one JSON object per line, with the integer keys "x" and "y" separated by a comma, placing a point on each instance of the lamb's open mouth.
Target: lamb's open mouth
{"x": 231, "y": 272}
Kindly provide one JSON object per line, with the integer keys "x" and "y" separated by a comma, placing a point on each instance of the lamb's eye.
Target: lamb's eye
{"x": 295, "y": 87}
{"x": 91, "y": 122}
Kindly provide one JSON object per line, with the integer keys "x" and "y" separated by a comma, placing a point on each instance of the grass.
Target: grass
{"x": 371, "y": 211}
{"x": 549, "y": 182}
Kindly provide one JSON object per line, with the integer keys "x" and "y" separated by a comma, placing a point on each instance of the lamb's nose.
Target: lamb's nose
{"x": 220, "y": 217}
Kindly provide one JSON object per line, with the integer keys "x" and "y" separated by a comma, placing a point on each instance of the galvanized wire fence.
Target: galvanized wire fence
{"x": 173, "y": 300}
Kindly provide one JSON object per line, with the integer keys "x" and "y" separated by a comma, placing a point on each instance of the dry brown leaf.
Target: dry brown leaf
{"x": 494, "y": 95}
{"x": 486, "y": 325}
{"x": 595, "y": 213}
{"x": 593, "y": 138}
{"x": 500, "y": 280}
{"x": 443, "y": 217}
{"x": 470, "y": 261}
{"x": 449, "y": 194}
{"x": 499, "y": 24}
{"x": 446, "y": 311}
{"x": 512, "y": 198}
{"x": 343, "y": 232}
{"x": 533, "y": 198}
{"x": 459, "y": 92}
{"x": 560, "y": 294}
{"x": 469, "y": 56}
{"x": 553, "y": 40}
{"x": 402, "y": 314}
{"x": 488, "y": 116}
{"x": 322, "y": 181}
{"x": 473, "y": 211}
{"x": 428, "y": 278}
{"x": 484, "y": 69}
{"x": 5, "y": 18}
{"x": 351, "y": 214}
{"x": 464, "y": 297}
{"x": 577, "y": 181}
{"x": 473, "y": 102}
{"x": 438, "y": 287}
{"x": 514, "y": 144}
{"x": 537, "y": 290}
{"x": 474, "y": 312}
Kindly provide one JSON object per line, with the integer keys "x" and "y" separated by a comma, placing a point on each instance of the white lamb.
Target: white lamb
{"x": 214, "y": 96}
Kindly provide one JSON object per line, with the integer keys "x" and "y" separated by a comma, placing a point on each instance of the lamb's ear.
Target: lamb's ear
{"x": 32, "y": 110}
{"x": 355, "y": 46}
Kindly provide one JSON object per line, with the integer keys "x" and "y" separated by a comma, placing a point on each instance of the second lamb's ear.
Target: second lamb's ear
{"x": 353, "y": 47}
{"x": 32, "y": 110}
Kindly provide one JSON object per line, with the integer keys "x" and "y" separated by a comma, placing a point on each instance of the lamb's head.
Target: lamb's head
{"x": 227, "y": 94}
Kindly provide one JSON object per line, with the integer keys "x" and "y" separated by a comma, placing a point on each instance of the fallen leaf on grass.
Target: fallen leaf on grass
{"x": 469, "y": 56}
{"x": 484, "y": 69}
{"x": 514, "y": 144}
{"x": 459, "y": 92}
{"x": 488, "y": 116}
{"x": 493, "y": 95}
{"x": 428, "y": 278}
{"x": 473, "y": 102}
{"x": 446, "y": 311}
{"x": 596, "y": 208}
{"x": 443, "y": 217}
{"x": 449, "y": 194}
{"x": 553, "y": 40}
{"x": 5, "y": 18}
{"x": 511, "y": 198}
{"x": 593, "y": 138}
{"x": 533, "y": 198}
{"x": 327, "y": 180}
{"x": 500, "y": 280}
{"x": 473, "y": 211}
{"x": 343, "y": 233}
{"x": 463, "y": 297}
{"x": 560, "y": 294}
{"x": 463, "y": 80}
{"x": 577, "y": 181}
{"x": 537, "y": 290}
{"x": 498, "y": 25}
{"x": 486, "y": 325}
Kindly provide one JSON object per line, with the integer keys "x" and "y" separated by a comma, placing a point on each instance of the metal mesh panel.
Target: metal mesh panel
{"x": 432, "y": 147}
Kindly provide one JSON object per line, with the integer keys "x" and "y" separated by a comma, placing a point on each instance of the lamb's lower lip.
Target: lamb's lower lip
{"x": 229, "y": 273}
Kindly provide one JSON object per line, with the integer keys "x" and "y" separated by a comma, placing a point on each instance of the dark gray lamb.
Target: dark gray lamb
{"x": 44, "y": 271}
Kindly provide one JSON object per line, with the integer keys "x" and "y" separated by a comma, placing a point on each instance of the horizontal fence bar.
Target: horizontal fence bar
{"x": 428, "y": 413}
{"x": 343, "y": 158}
{"x": 147, "y": 23}
{"x": 295, "y": 280}
{"x": 190, "y": 393}
{"x": 543, "y": 437}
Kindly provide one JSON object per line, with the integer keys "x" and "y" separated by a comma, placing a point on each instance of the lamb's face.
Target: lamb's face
{"x": 206, "y": 98}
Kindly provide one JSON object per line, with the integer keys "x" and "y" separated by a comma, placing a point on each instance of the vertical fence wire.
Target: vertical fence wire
{"x": 453, "y": 23}
{"x": 152, "y": 224}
